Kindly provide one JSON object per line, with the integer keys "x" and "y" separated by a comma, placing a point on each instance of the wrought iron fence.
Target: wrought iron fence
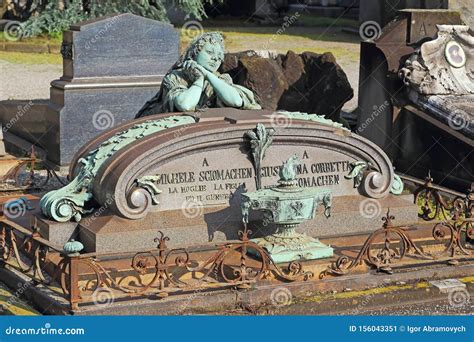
{"x": 160, "y": 272}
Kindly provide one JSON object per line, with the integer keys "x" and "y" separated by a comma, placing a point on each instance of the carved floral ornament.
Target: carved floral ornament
{"x": 443, "y": 66}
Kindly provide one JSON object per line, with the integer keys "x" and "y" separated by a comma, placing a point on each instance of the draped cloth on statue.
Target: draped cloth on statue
{"x": 175, "y": 82}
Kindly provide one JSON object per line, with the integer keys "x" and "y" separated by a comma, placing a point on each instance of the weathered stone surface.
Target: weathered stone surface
{"x": 307, "y": 82}
{"x": 442, "y": 66}
{"x": 380, "y": 63}
{"x": 57, "y": 233}
{"x": 195, "y": 226}
{"x": 439, "y": 79}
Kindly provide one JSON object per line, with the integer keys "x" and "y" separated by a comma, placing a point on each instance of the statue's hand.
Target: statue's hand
{"x": 204, "y": 71}
{"x": 192, "y": 68}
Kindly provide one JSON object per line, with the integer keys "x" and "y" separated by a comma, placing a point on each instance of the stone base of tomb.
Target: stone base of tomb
{"x": 349, "y": 215}
{"x": 399, "y": 255}
{"x": 103, "y": 232}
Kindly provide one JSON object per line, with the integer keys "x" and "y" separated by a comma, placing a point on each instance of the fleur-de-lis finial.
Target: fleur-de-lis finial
{"x": 161, "y": 240}
{"x": 388, "y": 219}
{"x": 428, "y": 178}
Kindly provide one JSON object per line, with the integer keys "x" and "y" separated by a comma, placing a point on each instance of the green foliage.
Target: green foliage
{"x": 53, "y": 20}
{"x": 143, "y": 8}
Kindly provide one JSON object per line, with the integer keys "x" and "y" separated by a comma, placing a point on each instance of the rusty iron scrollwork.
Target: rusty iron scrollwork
{"x": 428, "y": 195}
{"x": 216, "y": 271}
{"x": 373, "y": 255}
{"x": 457, "y": 232}
{"x": 30, "y": 249}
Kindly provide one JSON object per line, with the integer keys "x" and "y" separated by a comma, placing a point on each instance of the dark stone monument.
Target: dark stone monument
{"x": 111, "y": 67}
{"x": 307, "y": 82}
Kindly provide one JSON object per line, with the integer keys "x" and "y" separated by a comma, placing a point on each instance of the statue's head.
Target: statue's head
{"x": 207, "y": 50}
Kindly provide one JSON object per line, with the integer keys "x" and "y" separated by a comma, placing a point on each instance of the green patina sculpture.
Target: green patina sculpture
{"x": 287, "y": 205}
{"x": 357, "y": 173}
{"x": 73, "y": 248}
{"x": 194, "y": 83}
{"x": 260, "y": 140}
{"x": 68, "y": 202}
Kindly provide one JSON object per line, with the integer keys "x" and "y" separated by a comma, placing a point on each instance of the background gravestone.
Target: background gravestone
{"x": 111, "y": 67}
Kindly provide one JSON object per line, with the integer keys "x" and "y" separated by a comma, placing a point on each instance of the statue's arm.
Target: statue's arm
{"x": 188, "y": 99}
{"x": 228, "y": 94}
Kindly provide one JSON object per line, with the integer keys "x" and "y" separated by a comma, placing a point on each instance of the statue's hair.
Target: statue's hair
{"x": 198, "y": 44}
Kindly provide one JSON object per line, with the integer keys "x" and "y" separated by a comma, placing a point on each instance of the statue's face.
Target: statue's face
{"x": 210, "y": 57}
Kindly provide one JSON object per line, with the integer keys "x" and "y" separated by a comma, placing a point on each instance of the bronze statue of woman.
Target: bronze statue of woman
{"x": 194, "y": 83}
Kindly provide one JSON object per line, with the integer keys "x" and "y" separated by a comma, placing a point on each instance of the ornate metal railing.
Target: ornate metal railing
{"x": 25, "y": 250}
{"x": 455, "y": 229}
{"x": 86, "y": 278}
{"x": 160, "y": 272}
{"x": 434, "y": 205}
{"x": 396, "y": 244}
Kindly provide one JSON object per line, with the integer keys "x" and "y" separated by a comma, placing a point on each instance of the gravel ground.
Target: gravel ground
{"x": 27, "y": 82}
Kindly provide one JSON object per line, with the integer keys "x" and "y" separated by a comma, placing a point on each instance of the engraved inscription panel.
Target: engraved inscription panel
{"x": 218, "y": 177}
